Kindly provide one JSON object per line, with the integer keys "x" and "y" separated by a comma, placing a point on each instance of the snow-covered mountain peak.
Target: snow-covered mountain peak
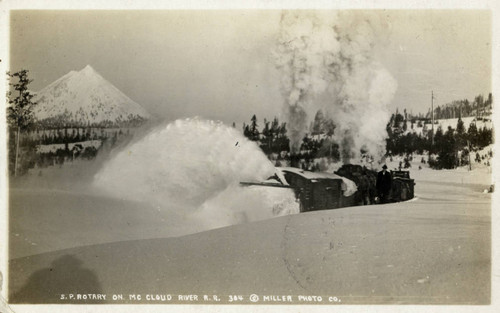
{"x": 88, "y": 68}
{"x": 84, "y": 97}
{"x": 88, "y": 71}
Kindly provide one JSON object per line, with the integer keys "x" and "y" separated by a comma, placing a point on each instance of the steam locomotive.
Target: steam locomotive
{"x": 350, "y": 185}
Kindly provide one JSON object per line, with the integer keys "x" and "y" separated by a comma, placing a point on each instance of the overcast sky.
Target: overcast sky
{"x": 219, "y": 64}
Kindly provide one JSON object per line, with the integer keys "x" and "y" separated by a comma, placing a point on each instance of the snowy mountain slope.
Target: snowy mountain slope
{"x": 444, "y": 123}
{"x": 85, "y": 97}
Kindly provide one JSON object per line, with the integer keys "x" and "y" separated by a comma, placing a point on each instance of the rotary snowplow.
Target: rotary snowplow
{"x": 350, "y": 185}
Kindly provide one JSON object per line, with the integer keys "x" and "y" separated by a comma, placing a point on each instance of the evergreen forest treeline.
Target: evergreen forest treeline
{"x": 447, "y": 148}
{"x": 61, "y": 142}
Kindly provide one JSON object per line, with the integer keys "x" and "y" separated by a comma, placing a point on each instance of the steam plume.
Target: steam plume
{"x": 326, "y": 61}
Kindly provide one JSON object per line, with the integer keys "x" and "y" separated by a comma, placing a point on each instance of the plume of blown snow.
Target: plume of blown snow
{"x": 185, "y": 162}
{"x": 193, "y": 168}
{"x": 326, "y": 61}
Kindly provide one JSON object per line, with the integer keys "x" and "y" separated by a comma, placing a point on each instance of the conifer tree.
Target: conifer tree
{"x": 20, "y": 107}
{"x": 254, "y": 132}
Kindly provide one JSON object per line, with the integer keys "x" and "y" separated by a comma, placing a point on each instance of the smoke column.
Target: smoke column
{"x": 326, "y": 61}
{"x": 193, "y": 168}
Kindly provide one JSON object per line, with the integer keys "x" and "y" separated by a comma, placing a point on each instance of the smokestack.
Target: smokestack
{"x": 326, "y": 62}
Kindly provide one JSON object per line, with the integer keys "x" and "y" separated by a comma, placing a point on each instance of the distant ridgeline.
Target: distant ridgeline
{"x": 75, "y": 116}
{"x": 69, "y": 120}
{"x": 480, "y": 107}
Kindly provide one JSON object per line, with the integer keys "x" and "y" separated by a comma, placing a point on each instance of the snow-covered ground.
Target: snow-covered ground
{"x": 68, "y": 236}
{"x": 480, "y": 174}
{"x": 434, "y": 249}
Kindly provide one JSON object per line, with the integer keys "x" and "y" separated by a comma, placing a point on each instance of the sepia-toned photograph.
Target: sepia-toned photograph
{"x": 286, "y": 157}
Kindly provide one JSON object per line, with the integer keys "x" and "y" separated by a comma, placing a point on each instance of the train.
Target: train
{"x": 350, "y": 185}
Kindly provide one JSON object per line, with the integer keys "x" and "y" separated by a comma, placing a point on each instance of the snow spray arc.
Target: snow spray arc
{"x": 195, "y": 166}
{"x": 326, "y": 63}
